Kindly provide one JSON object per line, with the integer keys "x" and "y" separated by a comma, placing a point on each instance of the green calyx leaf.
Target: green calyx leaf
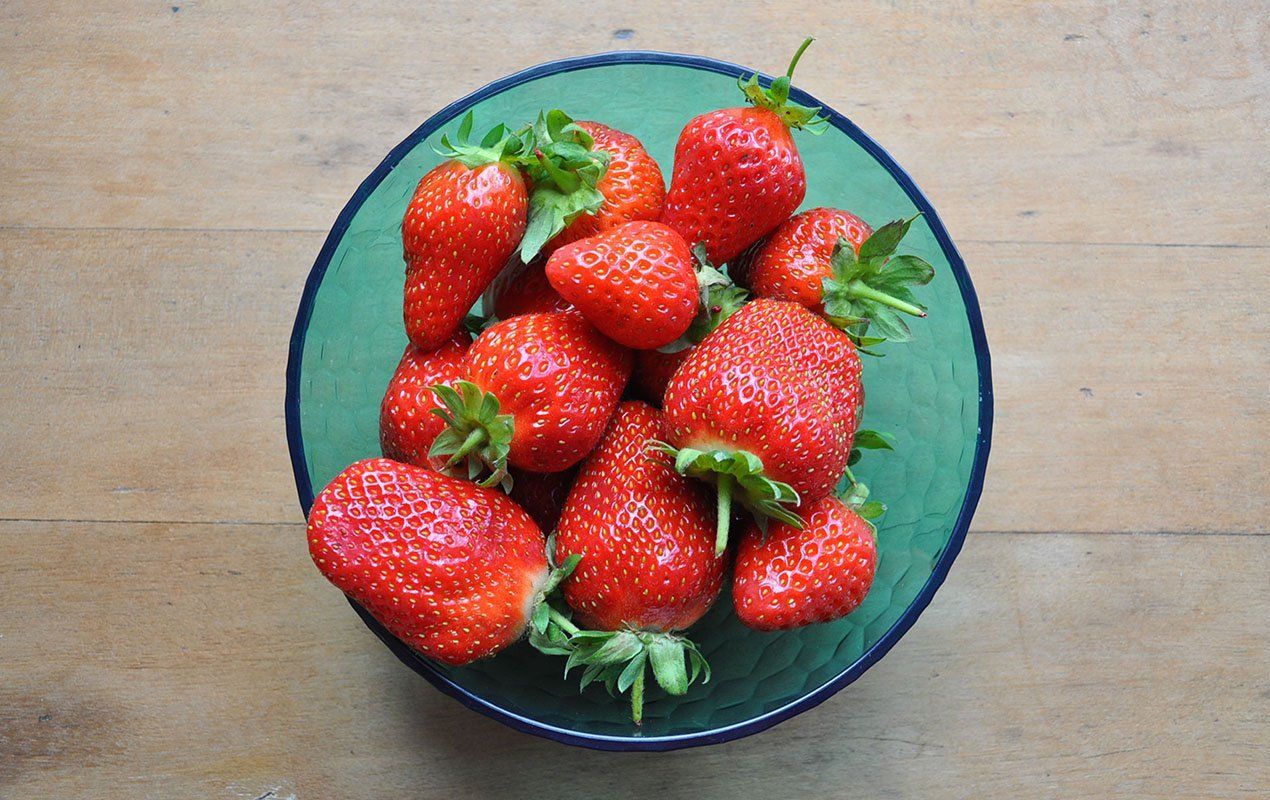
{"x": 550, "y": 631}
{"x": 775, "y": 98}
{"x": 477, "y": 437}
{"x": 619, "y": 660}
{"x": 856, "y": 495}
{"x": 720, "y": 299}
{"x": 737, "y": 475}
{"x": 870, "y": 291}
{"x": 565, "y": 170}
{"x": 868, "y": 440}
{"x": 874, "y": 440}
{"x": 871, "y": 510}
{"x": 499, "y": 144}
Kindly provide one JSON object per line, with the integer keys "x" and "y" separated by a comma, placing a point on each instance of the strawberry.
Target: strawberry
{"x": 632, "y": 186}
{"x": 464, "y": 221}
{"x": 746, "y": 413}
{"x": 831, "y": 262}
{"x": 645, "y": 535}
{"x": 537, "y": 393}
{"x": 719, "y": 299}
{"x": 635, "y": 282}
{"x": 542, "y": 494}
{"x": 788, "y": 577}
{"x": 737, "y": 172}
{"x": 455, "y": 571}
{"x": 819, "y": 347}
{"x": 523, "y": 289}
{"x": 407, "y": 427}
{"x": 793, "y": 261}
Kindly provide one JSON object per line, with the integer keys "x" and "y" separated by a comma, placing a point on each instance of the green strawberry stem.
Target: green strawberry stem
{"x": 856, "y": 497}
{"x": 775, "y": 98}
{"x": 861, "y": 290}
{"x": 563, "y": 622}
{"x": 476, "y": 434}
{"x": 550, "y": 630}
{"x": 499, "y": 144}
{"x": 474, "y": 440}
{"x": 565, "y": 170}
{"x": 737, "y": 475}
{"x": 719, "y": 298}
{"x": 637, "y": 698}
{"x": 619, "y": 659}
{"x": 724, "y": 492}
{"x": 865, "y": 289}
{"x": 793, "y": 62}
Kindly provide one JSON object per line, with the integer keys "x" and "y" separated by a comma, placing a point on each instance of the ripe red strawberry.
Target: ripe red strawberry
{"x": 632, "y": 186}
{"x": 466, "y": 218}
{"x": 817, "y": 346}
{"x": 792, "y": 262}
{"x": 831, "y": 262}
{"x": 407, "y": 427}
{"x": 538, "y": 392}
{"x": 737, "y": 172}
{"x": 635, "y": 282}
{"x": 453, "y": 570}
{"x": 645, "y": 535}
{"x": 746, "y": 413}
{"x": 790, "y": 577}
{"x": 720, "y": 298}
{"x": 542, "y": 494}
{"x": 523, "y": 289}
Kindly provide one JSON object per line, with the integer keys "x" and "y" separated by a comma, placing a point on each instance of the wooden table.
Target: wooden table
{"x": 168, "y": 173}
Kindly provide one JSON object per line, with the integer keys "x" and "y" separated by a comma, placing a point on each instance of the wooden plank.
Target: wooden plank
{"x": 152, "y": 363}
{"x": 144, "y": 373}
{"x": 213, "y": 661}
{"x": 1024, "y": 121}
{"x": 1130, "y": 388}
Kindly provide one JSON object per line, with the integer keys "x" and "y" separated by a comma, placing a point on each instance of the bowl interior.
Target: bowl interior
{"x": 925, "y": 392}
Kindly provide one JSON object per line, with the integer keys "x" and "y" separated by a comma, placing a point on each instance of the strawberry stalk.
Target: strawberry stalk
{"x": 737, "y": 475}
{"x": 620, "y": 659}
{"x": 477, "y": 437}
{"x": 550, "y": 630}
{"x": 723, "y": 493}
{"x": 565, "y": 169}
{"x": 867, "y": 292}
{"x": 775, "y": 98}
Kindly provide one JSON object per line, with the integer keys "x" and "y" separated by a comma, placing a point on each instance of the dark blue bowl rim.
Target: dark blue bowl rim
{"x": 437, "y": 676}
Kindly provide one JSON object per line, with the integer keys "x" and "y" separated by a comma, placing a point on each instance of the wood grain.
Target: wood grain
{"x": 213, "y": 661}
{"x": 1080, "y": 121}
{"x": 156, "y": 358}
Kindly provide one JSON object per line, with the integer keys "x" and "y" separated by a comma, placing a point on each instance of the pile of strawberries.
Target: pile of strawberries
{"x": 522, "y": 494}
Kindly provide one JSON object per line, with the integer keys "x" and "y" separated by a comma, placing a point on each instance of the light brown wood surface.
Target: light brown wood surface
{"x": 167, "y": 177}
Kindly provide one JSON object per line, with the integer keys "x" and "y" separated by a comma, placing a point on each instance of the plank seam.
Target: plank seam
{"x": 276, "y": 523}
{"x": 318, "y": 231}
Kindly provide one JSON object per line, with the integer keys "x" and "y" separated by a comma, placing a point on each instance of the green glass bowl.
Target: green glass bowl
{"x": 934, "y": 394}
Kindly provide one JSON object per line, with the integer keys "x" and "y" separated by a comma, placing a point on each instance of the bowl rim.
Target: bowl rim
{"x": 436, "y": 675}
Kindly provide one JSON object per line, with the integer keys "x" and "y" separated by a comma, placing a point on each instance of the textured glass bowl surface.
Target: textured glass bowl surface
{"x": 934, "y": 394}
